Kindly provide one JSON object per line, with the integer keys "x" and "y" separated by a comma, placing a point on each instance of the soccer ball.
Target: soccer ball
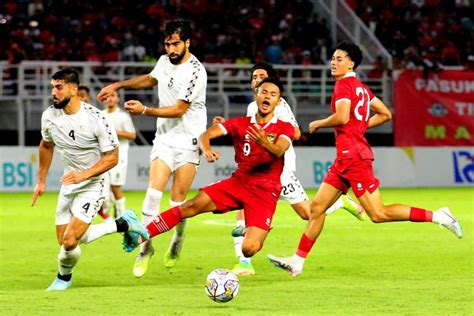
{"x": 222, "y": 285}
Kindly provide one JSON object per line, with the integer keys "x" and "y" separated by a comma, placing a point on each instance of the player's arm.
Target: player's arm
{"x": 175, "y": 111}
{"x": 128, "y": 135}
{"x": 108, "y": 161}
{"x": 140, "y": 82}
{"x": 340, "y": 117}
{"x": 258, "y": 135}
{"x": 205, "y": 142}
{"x": 297, "y": 133}
{"x": 46, "y": 151}
{"x": 382, "y": 113}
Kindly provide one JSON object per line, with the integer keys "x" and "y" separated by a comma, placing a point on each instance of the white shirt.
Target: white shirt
{"x": 284, "y": 113}
{"x": 121, "y": 121}
{"x": 80, "y": 138}
{"x": 188, "y": 82}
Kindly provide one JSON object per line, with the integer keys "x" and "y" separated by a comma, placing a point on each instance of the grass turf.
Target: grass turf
{"x": 356, "y": 268}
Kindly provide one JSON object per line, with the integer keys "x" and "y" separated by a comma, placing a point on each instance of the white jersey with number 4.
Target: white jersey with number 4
{"x": 187, "y": 82}
{"x": 284, "y": 113}
{"x": 80, "y": 138}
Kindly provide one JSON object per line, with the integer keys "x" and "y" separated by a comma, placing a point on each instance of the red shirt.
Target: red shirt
{"x": 256, "y": 165}
{"x": 350, "y": 140}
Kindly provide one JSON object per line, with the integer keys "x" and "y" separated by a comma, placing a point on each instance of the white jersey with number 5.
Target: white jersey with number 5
{"x": 80, "y": 138}
{"x": 284, "y": 113}
{"x": 188, "y": 82}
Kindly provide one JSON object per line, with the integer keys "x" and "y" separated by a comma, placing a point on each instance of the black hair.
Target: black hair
{"x": 352, "y": 50}
{"x": 68, "y": 75}
{"x": 271, "y": 72}
{"x": 181, "y": 27}
{"x": 82, "y": 87}
{"x": 273, "y": 80}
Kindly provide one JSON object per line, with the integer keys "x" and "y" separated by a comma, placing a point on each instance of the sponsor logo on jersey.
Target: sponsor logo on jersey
{"x": 271, "y": 137}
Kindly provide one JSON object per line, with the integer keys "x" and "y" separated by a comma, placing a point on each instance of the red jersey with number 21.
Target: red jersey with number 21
{"x": 256, "y": 165}
{"x": 350, "y": 139}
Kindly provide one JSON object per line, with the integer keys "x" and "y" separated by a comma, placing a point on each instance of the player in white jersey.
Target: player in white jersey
{"x": 181, "y": 118}
{"x": 87, "y": 144}
{"x": 125, "y": 130}
{"x": 292, "y": 190}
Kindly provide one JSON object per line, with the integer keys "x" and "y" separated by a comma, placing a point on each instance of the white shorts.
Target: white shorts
{"x": 118, "y": 174}
{"x": 83, "y": 203}
{"x": 174, "y": 157}
{"x": 292, "y": 190}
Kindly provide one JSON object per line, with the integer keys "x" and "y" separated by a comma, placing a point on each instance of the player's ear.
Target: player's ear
{"x": 187, "y": 43}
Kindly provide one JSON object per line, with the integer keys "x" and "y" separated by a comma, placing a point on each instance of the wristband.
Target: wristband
{"x": 144, "y": 110}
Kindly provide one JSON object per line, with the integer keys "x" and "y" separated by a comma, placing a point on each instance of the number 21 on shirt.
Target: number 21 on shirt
{"x": 364, "y": 100}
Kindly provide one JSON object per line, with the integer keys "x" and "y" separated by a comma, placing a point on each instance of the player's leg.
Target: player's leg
{"x": 348, "y": 204}
{"x": 380, "y": 213}
{"x": 159, "y": 175}
{"x": 186, "y": 163}
{"x": 253, "y": 242}
{"x": 325, "y": 197}
{"x": 244, "y": 267}
{"x": 119, "y": 200}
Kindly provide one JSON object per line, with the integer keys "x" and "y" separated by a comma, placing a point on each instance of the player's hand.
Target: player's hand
{"x": 257, "y": 134}
{"x": 134, "y": 107}
{"x": 314, "y": 126}
{"x": 38, "y": 191}
{"x": 105, "y": 92}
{"x": 218, "y": 120}
{"x": 211, "y": 155}
{"x": 72, "y": 177}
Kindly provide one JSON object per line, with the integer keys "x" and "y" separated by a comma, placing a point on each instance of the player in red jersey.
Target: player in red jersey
{"x": 260, "y": 142}
{"x": 351, "y": 104}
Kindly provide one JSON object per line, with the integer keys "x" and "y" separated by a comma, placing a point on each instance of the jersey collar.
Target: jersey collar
{"x": 253, "y": 120}
{"x": 350, "y": 74}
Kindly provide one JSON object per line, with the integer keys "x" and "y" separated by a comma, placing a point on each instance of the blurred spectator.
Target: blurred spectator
{"x": 379, "y": 68}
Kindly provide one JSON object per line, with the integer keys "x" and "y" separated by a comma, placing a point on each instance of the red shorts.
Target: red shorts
{"x": 232, "y": 194}
{"x": 355, "y": 173}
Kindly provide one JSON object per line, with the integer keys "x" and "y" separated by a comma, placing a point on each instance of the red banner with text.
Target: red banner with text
{"x": 438, "y": 111}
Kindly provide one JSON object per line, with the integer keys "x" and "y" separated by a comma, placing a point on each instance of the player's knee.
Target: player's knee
{"x": 316, "y": 209}
{"x": 189, "y": 208}
{"x": 251, "y": 247}
{"x": 69, "y": 242}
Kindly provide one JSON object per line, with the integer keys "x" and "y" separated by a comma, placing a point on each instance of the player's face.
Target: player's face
{"x": 176, "y": 48}
{"x": 340, "y": 64}
{"x": 257, "y": 76}
{"x": 112, "y": 100}
{"x": 83, "y": 95}
{"x": 268, "y": 97}
{"x": 62, "y": 93}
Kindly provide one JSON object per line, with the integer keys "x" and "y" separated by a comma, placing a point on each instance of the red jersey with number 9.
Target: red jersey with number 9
{"x": 256, "y": 165}
{"x": 350, "y": 139}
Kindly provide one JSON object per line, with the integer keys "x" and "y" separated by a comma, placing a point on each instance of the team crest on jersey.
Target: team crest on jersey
{"x": 271, "y": 137}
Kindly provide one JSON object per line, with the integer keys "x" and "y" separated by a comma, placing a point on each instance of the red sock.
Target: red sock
{"x": 420, "y": 215}
{"x": 165, "y": 221}
{"x": 103, "y": 215}
{"x": 304, "y": 246}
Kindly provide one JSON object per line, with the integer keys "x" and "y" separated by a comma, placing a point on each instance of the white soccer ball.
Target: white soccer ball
{"x": 222, "y": 285}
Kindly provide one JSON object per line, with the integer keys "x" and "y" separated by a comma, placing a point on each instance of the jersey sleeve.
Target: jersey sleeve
{"x": 342, "y": 91}
{"x": 372, "y": 97}
{"x": 106, "y": 135}
{"x": 45, "y": 128}
{"x": 287, "y": 131}
{"x": 197, "y": 82}
{"x": 229, "y": 126}
{"x": 156, "y": 72}
{"x": 286, "y": 114}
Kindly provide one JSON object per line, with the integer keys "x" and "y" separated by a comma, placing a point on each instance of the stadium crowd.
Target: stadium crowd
{"x": 229, "y": 31}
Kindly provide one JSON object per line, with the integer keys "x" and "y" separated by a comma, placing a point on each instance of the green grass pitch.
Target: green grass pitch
{"x": 356, "y": 268}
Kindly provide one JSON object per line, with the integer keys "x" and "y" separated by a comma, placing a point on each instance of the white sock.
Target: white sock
{"x": 150, "y": 208}
{"x": 238, "y": 250}
{"x": 68, "y": 259}
{"x": 240, "y": 222}
{"x": 337, "y": 205}
{"x": 151, "y": 205}
{"x": 179, "y": 230}
{"x": 120, "y": 206}
{"x": 98, "y": 230}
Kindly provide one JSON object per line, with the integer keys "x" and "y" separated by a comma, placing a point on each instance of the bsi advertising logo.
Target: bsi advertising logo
{"x": 463, "y": 165}
{"x": 320, "y": 168}
{"x": 17, "y": 174}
